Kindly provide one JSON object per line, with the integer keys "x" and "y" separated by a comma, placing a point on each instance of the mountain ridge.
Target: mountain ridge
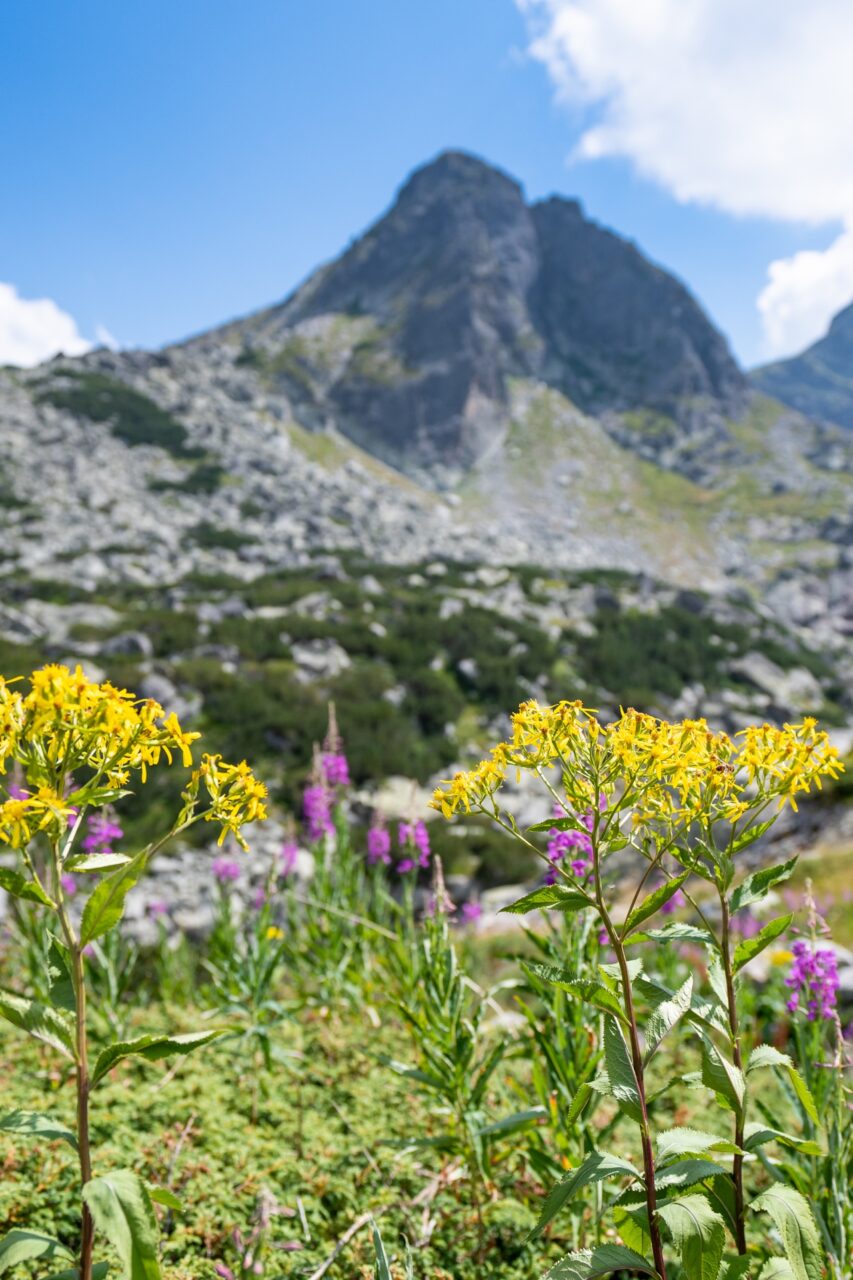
{"x": 818, "y": 381}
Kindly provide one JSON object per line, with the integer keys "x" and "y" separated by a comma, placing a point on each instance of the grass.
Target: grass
{"x": 132, "y": 417}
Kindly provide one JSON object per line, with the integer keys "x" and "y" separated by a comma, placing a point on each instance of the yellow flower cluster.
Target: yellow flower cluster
{"x": 236, "y": 795}
{"x": 68, "y": 725}
{"x": 666, "y": 773}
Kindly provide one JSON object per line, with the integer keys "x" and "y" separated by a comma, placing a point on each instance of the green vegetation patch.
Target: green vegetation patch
{"x": 132, "y": 417}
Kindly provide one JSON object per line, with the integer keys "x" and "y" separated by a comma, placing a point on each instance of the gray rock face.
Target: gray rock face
{"x": 461, "y": 286}
{"x": 820, "y": 381}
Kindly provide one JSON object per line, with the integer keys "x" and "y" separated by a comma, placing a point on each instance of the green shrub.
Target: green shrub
{"x": 132, "y": 417}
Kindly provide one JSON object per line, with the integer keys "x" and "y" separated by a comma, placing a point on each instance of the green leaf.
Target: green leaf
{"x": 97, "y": 862}
{"x": 653, "y": 903}
{"x": 597, "y": 1167}
{"x": 665, "y": 1014}
{"x": 578, "y": 1104}
{"x": 676, "y": 931}
{"x": 584, "y": 988}
{"x": 686, "y": 1173}
{"x": 39, "y": 1021}
{"x": 620, "y": 1070}
{"x": 794, "y": 1221}
{"x": 776, "y": 1269}
{"x": 586, "y": 1264}
{"x": 759, "y": 884}
{"x": 735, "y": 1268}
{"x": 691, "y": 1142}
{"x": 35, "y": 1125}
{"x": 631, "y": 1218}
{"x": 758, "y": 1135}
{"x": 382, "y": 1270}
{"x": 19, "y": 887}
{"x": 99, "y": 1272}
{"x": 59, "y": 977}
{"x": 698, "y": 1233}
{"x": 161, "y": 1195}
{"x": 105, "y": 905}
{"x": 19, "y": 1246}
{"x": 721, "y": 1075}
{"x": 515, "y": 1123}
{"x": 765, "y": 1055}
{"x": 152, "y": 1048}
{"x": 121, "y": 1208}
{"x": 750, "y": 947}
{"x": 545, "y": 897}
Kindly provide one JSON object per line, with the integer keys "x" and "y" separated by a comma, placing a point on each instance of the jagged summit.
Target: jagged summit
{"x": 820, "y": 381}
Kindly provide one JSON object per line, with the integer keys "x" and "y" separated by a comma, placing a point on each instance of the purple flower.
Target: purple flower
{"x": 379, "y": 845}
{"x": 226, "y": 869}
{"x": 471, "y": 911}
{"x": 335, "y": 769}
{"x": 289, "y": 855}
{"x": 158, "y": 908}
{"x": 69, "y": 885}
{"x": 746, "y": 924}
{"x": 814, "y": 976}
{"x": 563, "y": 843}
{"x": 259, "y": 897}
{"x": 317, "y": 812}
{"x": 102, "y": 834}
{"x": 413, "y": 838}
{"x": 16, "y": 792}
{"x": 677, "y": 900}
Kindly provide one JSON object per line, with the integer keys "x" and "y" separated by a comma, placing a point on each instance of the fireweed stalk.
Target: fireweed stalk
{"x": 81, "y": 746}
{"x": 665, "y": 791}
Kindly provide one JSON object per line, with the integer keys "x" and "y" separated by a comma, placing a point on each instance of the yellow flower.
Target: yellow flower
{"x": 274, "y": 932}
{"x": 781, "y": 956}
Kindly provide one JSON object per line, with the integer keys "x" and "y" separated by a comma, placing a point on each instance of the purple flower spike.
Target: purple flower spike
{"x": 335, "y": 769}
{"x": 814, "y": 977}
{"x": 226, "y": 869}
{"x": 317, "y": 811}
{"x": 69, "y": 885}
{"x": 471, "y": 911}
{"x": 289, "y": 855}
{"x": 379, "y": 846}
{"x": 413, "y": 837}
{"x": 101, "y": 834}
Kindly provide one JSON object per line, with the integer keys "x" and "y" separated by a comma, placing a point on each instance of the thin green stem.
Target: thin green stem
{"x": 737, "y": 1160}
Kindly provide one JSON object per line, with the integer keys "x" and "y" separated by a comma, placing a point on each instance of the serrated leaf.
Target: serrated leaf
{"x": 544, "y": 898}
{"x": 162, "y": 1195}
{"x": 620, "y": 1070}
{"x": 34, "y": 1125}
{"x": 653, "y": 903}
{"x": 597, "y": 1167}
{"x": 759, "y": 884}
{"x": 97, "y": 862}
{"x": 776, "y": 1269}
{"x": 586, "y": 989}
{"x": 698, "y": 1233}
{"x": 121, "y": 1209}
{"x": 735, "y": 1268}
{"x": 686, "y": 1173}
{"x": 721, "y": 1075}
{"x": 751, "y": 947}
{"x": 59, "y": 978}
{"x": 758, "y": 1135}
{"x": 795, "y": 1223}
{"x": 19, "y": 887}
{"x": 587, "y": 1264}
{"x": 105, "y": 904}
{"x": 765, "y": 1055}
{"x": 613, "y": 971}
{"x": 690, "y": 1142}
{"x": 665, "y": 1014}
{"x": 19, "y": 1246}
{"x": 38, "y": 1020}
{"x": 152, "y": 1048}
{"x": 631, "y": 1218}
{"x": 676, "y": 931}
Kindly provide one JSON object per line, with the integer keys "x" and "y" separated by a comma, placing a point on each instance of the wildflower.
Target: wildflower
{"x": 318, "y": 816}
{"x": 273, "y": 932}
{"x": 335, "y": 769}
{"x": 672, "y": 904}
{"x": 225, "y": 870}
{"x": 781, "y": 956}
{"x": 259, "y": 897}
{"x": 289, "y": 855}
{"x": 413, "y": 837}
{"x": 158, "y": 908}
{"x": 746, "y": 924}
{"x": 69, "y": 885}
{"x": 471, "y": 912}
{"x": 102, "y": 833}
{"x": 813, "y": 976}
{"x": 378, "y": 844}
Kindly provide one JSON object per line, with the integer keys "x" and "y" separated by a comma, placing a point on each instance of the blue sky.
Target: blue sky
{"x": 169, "y": 165}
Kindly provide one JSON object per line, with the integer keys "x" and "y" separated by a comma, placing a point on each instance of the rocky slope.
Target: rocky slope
{"x": 820, "y": 381}
{"x": 474, "y": 379}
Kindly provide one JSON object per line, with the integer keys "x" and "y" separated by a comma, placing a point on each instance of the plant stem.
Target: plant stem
{"x": 737, "y": 1161}
{"x": 87, "y": 1235}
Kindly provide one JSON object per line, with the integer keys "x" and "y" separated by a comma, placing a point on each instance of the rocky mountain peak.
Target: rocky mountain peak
{"x": 819, "y": 382}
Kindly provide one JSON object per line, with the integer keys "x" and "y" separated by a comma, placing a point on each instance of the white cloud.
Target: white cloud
{"x": 33, "y": 329}
{"x": 742, "y": 105}
{"x": 104, "y": 338}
